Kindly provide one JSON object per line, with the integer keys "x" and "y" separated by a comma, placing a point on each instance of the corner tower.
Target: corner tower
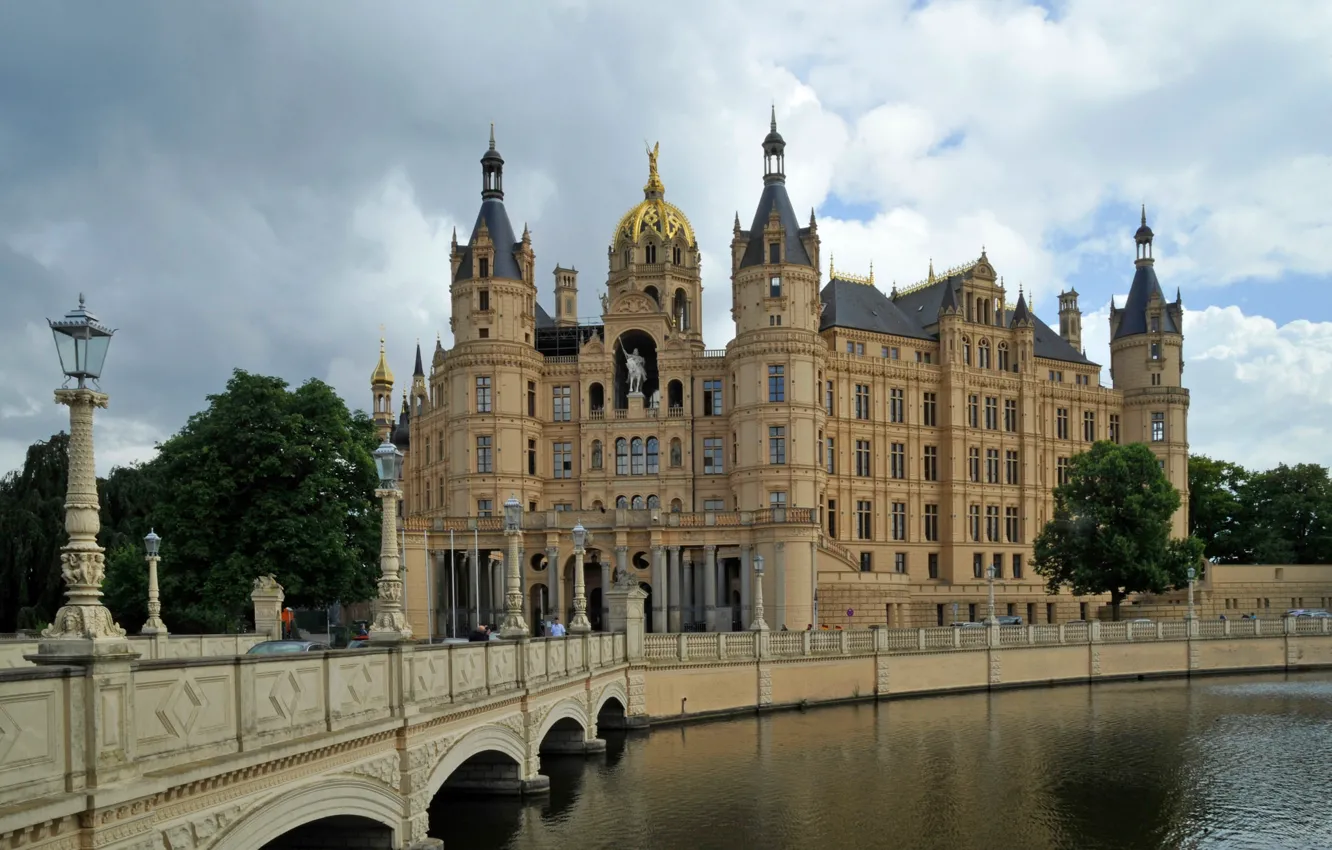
{"x": 381, "y": 391}
{"x": 1070, "y": 319}
{"x": 1147, "y": 366}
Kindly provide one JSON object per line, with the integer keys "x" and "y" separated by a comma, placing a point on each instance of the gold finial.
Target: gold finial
{"x": 654, "y": 184}
{"x": 931, "y": 277}
{"x": 382, "y": 374}
{"x": 832, "y": 272}
{"x": 871, "y": 280}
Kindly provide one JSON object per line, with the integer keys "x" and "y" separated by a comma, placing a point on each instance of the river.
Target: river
{"x": 1237, "y": 762}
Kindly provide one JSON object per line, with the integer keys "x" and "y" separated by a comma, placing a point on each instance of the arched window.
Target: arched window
{"x": 1003, "y": 357}
{"x": 621, "y": 456}
{"x": 636, "y": 456}
{"x": 677, "y": 458}
{"x": 651, "y": 253}
{"x": 637, "y": 503}
{"x": 621, "y": 502}
{"x": 676, "y": 506}
{"x": 653, "y": 450}
{"x": 675, "y": 394}
{"x": 628, "y": 256}
{"x": 596, "y": 454}
{"x": 596, "y": 397}
{"x": 654, "y": 503}
{"x": 597, "y": 506}
{"x": 676, "y": 259}
{"x": 680, "y": 310}
{"x": 651, "y": 292}
{"x": 983, "y": 354}
{"x": 966, "y": 351}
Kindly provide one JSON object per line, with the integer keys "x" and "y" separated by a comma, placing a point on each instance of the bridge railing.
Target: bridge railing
{"x": 13, "y": 652}
{"x": 723, "y": 646}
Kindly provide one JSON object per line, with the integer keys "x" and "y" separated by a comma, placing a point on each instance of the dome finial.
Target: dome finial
{"x": 654, "y": 188}
{"x": 492, "y": 135}
{"x": 773, "y": 124}
{"x": 1144, "y": 213}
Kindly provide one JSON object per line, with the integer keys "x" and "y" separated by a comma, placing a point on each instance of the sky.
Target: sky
{"x": 262, "y": 185}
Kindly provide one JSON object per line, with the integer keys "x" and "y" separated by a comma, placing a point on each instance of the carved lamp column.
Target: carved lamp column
{"x": 758, "y": 625}
{"x": 83, "y": 627}
{"x": 989, "y": 616}
{"x": 515, "y": 626}
{"x": 390, "y": 624}
{"x": 154, "y": 626}
{"x": 579, "y": 625}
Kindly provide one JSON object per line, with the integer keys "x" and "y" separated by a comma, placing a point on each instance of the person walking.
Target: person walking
{"x": 556, "y": 627}
{"x": 288, "y": 623}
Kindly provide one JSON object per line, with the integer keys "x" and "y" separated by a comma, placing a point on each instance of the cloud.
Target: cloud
{"x": 262, "y": 185}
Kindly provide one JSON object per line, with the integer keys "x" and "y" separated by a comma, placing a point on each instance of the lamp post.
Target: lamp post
{"x": 154, "y": 625}
{"x": 579, "y": 624}
{"x": 990, "y": 619}
{"x": 758, "y": 625}
{"x": 514, "y": 625}
{"x": 390, "y": 624}
{"x": 1193, "y": 574}
{"x": 82, "y": 342}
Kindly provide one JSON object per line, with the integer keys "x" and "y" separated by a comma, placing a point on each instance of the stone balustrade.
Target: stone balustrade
{"x": 13, "y": 652}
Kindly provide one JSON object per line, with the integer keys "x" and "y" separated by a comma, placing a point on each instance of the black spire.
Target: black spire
{"x": 1021, "y": 313}
{"x": 492, "y": 171}
{"x": 774, "y": 153}
{"x": 1143, "y": 237}
{"x": 420, "y": 372}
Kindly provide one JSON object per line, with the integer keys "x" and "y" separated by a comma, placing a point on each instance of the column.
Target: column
{"x": 496, "y": 591}
{"x": 604, "y": 614}
{"x": 687, "y": 616}
{"x": 746, "y": 575}
{"x": 779, "y": 579}
{"x": 658, "y": 590}
{"x": 710, "y": 590}
{"x": 813, "y": 583}
{"x": 555, "y": 578}
{"x": 528, "y": 613}
{"x": 621, "y": 566}
{"x": 673, "y": 599}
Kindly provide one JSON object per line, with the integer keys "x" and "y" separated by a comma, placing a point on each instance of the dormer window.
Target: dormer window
{"x": 1156, "y": 351}
{"x": 483, "y": 268}
{"x": 774, "y": 252}
{"x": 775, "y": 286}
{"x": 1156, "y": 324}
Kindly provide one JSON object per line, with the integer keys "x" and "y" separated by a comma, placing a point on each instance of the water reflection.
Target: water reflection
{"x": 1208, "y": 763}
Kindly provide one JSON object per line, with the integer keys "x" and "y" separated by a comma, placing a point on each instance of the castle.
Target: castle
{"x": 880, "y": 451}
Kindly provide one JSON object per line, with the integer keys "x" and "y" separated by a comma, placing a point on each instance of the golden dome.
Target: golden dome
{"x": 382, "y": 374}
{"x": 654, "y": 214}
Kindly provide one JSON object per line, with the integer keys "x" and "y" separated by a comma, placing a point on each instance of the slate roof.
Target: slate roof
{"x": 756, "y": 254}
{"x": 543, "y": 319}
{"x": 496, "y": 220}
{"x": 1134, "y": 312}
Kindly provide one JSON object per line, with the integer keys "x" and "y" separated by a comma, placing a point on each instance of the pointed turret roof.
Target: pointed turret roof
{"x": 775, "y": 199}
{"x": 949, "y": 302}
{"x": 401, "y": 431}
{"x": 1021, "y": 313}
{"x": 494, "y": 219}
{"x": 1145, "y": 287}
{"x": 420, "y": 370}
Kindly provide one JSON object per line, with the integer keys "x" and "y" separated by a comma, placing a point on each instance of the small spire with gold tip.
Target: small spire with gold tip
{"x": 931, "y": 276}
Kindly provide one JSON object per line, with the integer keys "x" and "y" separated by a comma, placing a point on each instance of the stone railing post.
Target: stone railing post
{"x": 920, "y": 639}
{"x": 721, "y": 645}
{"x": 992, "y": 636}
{"x": 681, "y": 649}
{"x": 625, "y": 603}
{"x": 880, "y": 640}
{"x": 1063, "y": 637}
{"x": 1094, "y": 631}
{"x": 844, "y": 644}
{"x": 805, "y": 643}
{"x": 957, "y": 638}
{"x": 1031, "y": 635}
{"x": 268, "y": 597}
{"x": 1226, "y": 628}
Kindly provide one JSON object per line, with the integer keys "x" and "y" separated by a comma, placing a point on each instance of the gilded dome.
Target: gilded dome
{"x": 654, "y": 214}
{"x": 382, "y": 374}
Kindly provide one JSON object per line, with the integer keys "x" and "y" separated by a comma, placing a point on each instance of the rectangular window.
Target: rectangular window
{"x": 899, "y": 521}
{"x": 1011, "y": 467}
{"x": 974, "y": 522}
{"x": 621, "y": 456}
{"x": 1156, "y": 351}
{"x": 560, "y": 404}
{"x": 776, "y": 444}
{"x": 775, "y": 286}
{"x": 484, "y": 508}
{"x": 864, "y": 520}
{"x": 860, "y": 348}
{"x": 774, "y": 253}
{"x": 1017, "y": 570}
{"x": 713, "y": 460}
{"x": 992, "y": 523}
{"x": 973, "y": 465}
{"x": 777, "y": 499}
{"x": 1089, "y": 426}
{"x": 863, "y": 458}
{"x": 1114, "y": 428}
{"x": 977, "y": 571}
{"x": 931, "y": 471}
{"x": 1010, "y": 415}
{"x": 973, "y": 411}
{"x": 1003, "y": 357}
{"x": 483, "y": 295}
{"x": 896, "y": 405}
{"x": 991, "y": 413}
{"x": 862, "y": 401}
{"x": 867, "y": 562}
{"x": 1061, "y": 423}
{"x": 1061, "y": 470}
{"x": 714, "y": 504}
{"x": 897, "y": 461}
{"x": 1158, "y": 426}
{"x": 899, "y": 562}
{"x": 531, "y": 398}
{"x": 992, "y": 466}
{"x": 712, "y": 397}
{"x": 1011, "y": 527}
{"x": 932, "y": 522}
{"x": 776, "y": 383}
{"x": 832, "y": 456}
{"x": 832, "y": 518}
{"x": 563, "y": 455}
{"x": 934, "y": 571}
{"x": 483, "y": 395}
{"x": 484, "y": 460}
{"x": 929, "y": 409}
{"x": 636, "y": 459}
{"x": 850, "y": 347}
{"x": 998, "y": 564}
{"x": 1155, "y": 324}
{"x": 828, "y": 398}
{"x": 531, "y": 457}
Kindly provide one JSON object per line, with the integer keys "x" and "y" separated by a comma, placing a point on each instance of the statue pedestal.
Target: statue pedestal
{"x": 636, "y": 405}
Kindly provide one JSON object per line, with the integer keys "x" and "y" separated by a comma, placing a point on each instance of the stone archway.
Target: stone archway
{"x": 317, "y": 800}
{"x": 567, "y": 729}
{"x": 489, "y": 748}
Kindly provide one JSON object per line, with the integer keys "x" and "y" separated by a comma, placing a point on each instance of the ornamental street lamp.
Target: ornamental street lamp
{"x": 579, "y": 624}
{"x": 1193, "y": 574}
{"x": 990, "y": 619}
{"x": 514, "y": 626}
{"x": 390, "y": 624}
{"x": 758, "y": 625}
{"x": 154, "y": 626}
{"x": 81, "y": 342}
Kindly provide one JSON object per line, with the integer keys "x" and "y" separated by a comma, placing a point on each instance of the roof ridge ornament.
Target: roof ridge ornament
{"x": 654, "y": 186}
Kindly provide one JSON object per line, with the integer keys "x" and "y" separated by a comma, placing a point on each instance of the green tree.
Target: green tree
{"x": 32, "y": 530}
{"x": 1111, "y": 528}
{"x": 1215, "y": 508}
{"x": 265, "y": 480}
{"x": 1286, "y": 516}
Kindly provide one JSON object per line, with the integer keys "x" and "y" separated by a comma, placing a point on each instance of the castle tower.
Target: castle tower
{"x": 420, "y": 392}
{"x": 1070, "y": 319}
{"x": 1147, "y": 365}
{"x": 566, "y": 297}
{"x": 776, "y": 364}
{"x": 381, "y": 390}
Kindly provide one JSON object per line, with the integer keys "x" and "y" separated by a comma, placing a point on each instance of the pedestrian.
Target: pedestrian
{"x": 479, "y": 634}
{"x": 288, "y": 623}
{"x": 556, "y": 627}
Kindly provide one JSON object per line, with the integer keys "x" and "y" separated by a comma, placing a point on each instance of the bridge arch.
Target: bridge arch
{"x": 613, "y": 690}
{"x": 571, "y": 708}
{"x": 491, "y": 738}
{"x": 322, "y": 798}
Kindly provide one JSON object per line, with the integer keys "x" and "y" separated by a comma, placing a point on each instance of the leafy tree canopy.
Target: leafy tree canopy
{"x": 1111, "y": 528}
{"x": 1214, "y": 507}
{"x": 1280, "y": 516}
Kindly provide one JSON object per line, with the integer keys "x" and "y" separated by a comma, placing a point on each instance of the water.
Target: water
{"x": 1212, "y": 763}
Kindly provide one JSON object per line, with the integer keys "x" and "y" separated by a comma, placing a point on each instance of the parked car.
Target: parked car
{"x": 358, "y": 644}
{"x": 286, "y": 647}
{"x": 961, "y": 625}
{"x": 1009, "y": 620}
